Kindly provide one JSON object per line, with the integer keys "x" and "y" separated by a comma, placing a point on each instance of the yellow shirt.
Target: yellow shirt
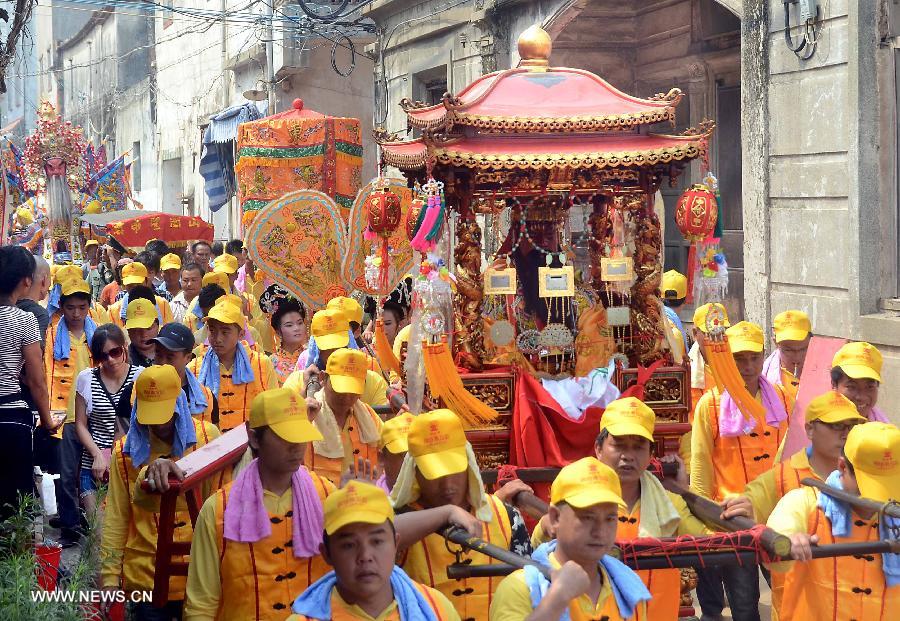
{"x": 512, "y": 600}
{"x": 768, "y": 488}
{"x": 128, "y": 547}
{"x": 722, "y": 466}
{"x": 374, "y": 393}
{"x": 204, "y": 583}
{"x": 341, "y": 610}
{"x": 61, "y": 374}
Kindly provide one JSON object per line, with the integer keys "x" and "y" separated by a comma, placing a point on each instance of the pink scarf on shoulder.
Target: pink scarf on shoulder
{"x": 247, "y": 521}
{"x": 733, "y": 423}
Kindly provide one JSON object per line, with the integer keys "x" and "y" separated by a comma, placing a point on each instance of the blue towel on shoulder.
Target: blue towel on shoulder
{"x": 315, "y": 601}
{"x": 210, "y": 373}
{"x": 840, "y": 515}
{"x": 196, "y": 401}
{"x": 53, "y": 299}
{"x": 137, "y": 442}
{"x": 62, "y": 345}
{"x": 628, "y": 589}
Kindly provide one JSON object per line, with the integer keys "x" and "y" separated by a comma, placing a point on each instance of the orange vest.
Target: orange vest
{"x": 260, "y": 580}
{"x": 738, "y": 460}
{"x": 60, "y": 374}
{"x": 426, "y": 561}
{"x": 235, "y": 400}
{"x": 843, "y": 588}
{"x": 339, "y": 612}
{"x": 334, "y": 468}
{"x": 143, "y": 528}
{"x": 664, "y": 584}
{"x": 787, "y": 478}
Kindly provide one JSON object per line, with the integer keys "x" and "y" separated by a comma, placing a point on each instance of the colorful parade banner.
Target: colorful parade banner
{"x": 299, "y": 241}
{"x": 298, "y": 149}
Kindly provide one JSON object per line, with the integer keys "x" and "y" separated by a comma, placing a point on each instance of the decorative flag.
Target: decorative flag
{"x": 109, "y": 186}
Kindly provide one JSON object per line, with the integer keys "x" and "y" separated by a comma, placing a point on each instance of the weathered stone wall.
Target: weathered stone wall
{"x": 819, "y": 181}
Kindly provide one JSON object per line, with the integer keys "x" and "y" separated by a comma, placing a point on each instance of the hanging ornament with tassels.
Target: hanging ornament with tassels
{"x": 383, "y": 214}
{"x": 695, "y": 215}
{"x": 429, "y": 229}
{"x": 414, "y": 217}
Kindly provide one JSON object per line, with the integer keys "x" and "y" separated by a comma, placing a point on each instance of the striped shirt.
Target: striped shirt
{"x": 101, "y": 412}
{"x": 20, "y": 329}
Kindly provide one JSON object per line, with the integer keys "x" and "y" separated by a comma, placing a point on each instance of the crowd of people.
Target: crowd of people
{"x": 112, "y": 371}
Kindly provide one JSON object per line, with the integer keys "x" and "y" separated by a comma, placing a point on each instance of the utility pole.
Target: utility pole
{"x": 270, "y": 56}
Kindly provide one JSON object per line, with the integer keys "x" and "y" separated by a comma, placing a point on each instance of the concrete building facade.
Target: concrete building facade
{"x": 806, "y": 150}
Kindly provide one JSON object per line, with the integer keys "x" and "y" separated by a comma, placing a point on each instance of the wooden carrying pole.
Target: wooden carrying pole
{"x": 775, "y": 544}
{"x": 509, "y": 559}
{"x": 890, "y": 509}
{"x": 691, "y": 559}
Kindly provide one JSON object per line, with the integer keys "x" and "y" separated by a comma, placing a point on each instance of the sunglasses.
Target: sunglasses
{"x": 115, "y": 352}
{"x": 839, "y": 427}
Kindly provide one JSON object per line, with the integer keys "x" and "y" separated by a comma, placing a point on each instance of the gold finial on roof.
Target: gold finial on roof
{"x": 534, "y": 48}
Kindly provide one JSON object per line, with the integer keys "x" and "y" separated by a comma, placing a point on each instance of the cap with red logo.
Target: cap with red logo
{"x": 156, "y": 391}
{"x": 438, "y": 443}
{"x": 585, "y": 483}
{"x": 330, "y": 329}
{"x": 874, "y": 451}
{"x": 346, "y": 370}
{"x": 628, "y": 417}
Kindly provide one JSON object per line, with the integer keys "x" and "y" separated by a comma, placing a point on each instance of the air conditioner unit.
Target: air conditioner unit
{"x": 290, "y": 57}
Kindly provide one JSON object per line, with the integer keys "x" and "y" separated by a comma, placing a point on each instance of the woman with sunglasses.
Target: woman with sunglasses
{"x": 102, "y": 407}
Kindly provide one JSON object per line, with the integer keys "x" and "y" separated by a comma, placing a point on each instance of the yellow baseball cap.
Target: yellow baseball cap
{"x": 216, "y": 278}
{"x": 346, "y": 370}
{"x": 284, "y": 412}
{"x": 628, "y": 417}
{"x": 330, "y": 329}
{"x": 91, "y": 242}
{"x": 170, "y": 261}
{"x": 394, "y": 434}
{"x": 874, "y": 451}
{"x": 675, "y": 282}
{"x": 438, "y": 444}
{"x": 230, "y": 298}
{"x": 356, "y": 503}
{"x": 350, "y": 307}
{"x": 65, "y": 273}
{"x": 745, "y": 336}
{"x": 141, "y": 313}
{"x": 75, "y": 285}
{"x": 792, "y": 325}
{"x": 703, "y": 312}
{"x": 226, "y": 312}
{"x": 225, "y": 264}
{"x": 134, "y": 274}
{"x": 585, "y": 483}
{"x": 156, "y": 390}
{"x": 859, "y": 361}
{"x": 832, "y": 407}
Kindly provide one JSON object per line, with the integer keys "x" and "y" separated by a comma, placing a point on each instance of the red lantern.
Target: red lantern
{"x": 383, "y": 214}
{"x": 696, "y": 214}
{"x": 412, "y": 217}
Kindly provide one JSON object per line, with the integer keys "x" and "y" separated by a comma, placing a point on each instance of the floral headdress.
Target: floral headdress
{"x": 53, "y": 138}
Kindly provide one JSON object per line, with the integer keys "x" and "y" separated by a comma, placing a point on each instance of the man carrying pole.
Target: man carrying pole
{"x": 862, "y": 586}
{"x": 586, "y": 583}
